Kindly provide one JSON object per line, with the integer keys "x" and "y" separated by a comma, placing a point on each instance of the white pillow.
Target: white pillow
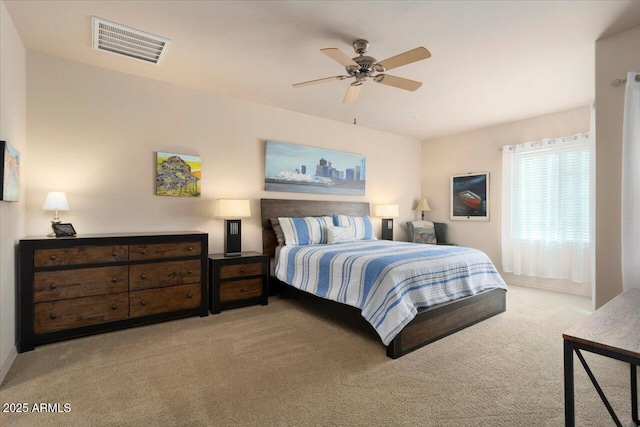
{"x": 361, "y": 225}
{"x": 337, "y": 234}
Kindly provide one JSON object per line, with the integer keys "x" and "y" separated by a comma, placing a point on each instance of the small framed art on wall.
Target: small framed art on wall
{"x": 469, "y": 198}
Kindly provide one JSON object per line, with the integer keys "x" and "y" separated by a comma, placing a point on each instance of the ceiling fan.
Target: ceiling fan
{"x": 366, "y": 67}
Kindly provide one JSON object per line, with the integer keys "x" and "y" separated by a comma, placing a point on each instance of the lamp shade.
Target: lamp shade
{"x": 386, "y": 211}
{"x": 423, "y": 205}
{"x": 232, "y": 208}
{"x": 56, "y": 201}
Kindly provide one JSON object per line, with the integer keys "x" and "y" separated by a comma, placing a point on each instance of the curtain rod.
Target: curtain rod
{"x": 618, "y": 82}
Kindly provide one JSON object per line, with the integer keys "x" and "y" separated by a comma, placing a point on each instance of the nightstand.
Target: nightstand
{"x": 238, "y": 281}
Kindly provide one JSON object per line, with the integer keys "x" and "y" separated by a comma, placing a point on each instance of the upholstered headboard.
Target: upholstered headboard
{"x": 274, "y": 208}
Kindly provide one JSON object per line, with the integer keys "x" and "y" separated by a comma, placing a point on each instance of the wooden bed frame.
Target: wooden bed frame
{"x": 430, "y": 324}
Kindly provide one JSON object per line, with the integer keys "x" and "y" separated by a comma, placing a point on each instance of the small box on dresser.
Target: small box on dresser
{"x": 238, "y": 281}
{"x": 74, "y": 286}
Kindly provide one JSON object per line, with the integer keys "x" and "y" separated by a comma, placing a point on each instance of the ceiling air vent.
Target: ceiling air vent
{"x": 116, "y": 38}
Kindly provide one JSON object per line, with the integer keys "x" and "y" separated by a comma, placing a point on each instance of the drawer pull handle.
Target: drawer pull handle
{"x": 53, "y": 317}
{"x": 114, "y": 253}
{"x": 114, "y": 307}
{"x": 114, "y": 279}
{"x": 143, "y": 252}
{"x": 243, "y": 290}
{"x": 143, "y": 302}
{"x": 242, "y": 270}
{"x": 52, "y": 286}
{"x": 189, "y": 296}
{"x": 143, "y": 276}
{"x": 53, "y": 257}
{"x": 189, "y": 271}
{"x": 190, "y": 248}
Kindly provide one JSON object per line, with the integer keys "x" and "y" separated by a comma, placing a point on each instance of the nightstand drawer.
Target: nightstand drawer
{"x": 164, "y": 250}
{"x": 240, "y": 289}
{"x": 161, "y": 274}
{"x": 65, "y": 284}
{"x": 240, "y": 270}
{"x": 79, "y": 255}
{"x": 73, "y": 313}
{"x": 152, "y": 301}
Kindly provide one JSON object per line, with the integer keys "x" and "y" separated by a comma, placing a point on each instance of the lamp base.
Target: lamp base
{"x": 387, "y": 229}
{"x": 232, "y": 238}
{"x": 55, "y": 220}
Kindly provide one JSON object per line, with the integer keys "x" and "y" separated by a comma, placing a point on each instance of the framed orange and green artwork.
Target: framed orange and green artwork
{"x": 178, "y": 175}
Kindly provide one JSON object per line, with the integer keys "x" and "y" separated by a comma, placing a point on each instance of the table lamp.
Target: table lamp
{"x": 387, "y": 213}
{"x": 55, "y": 201}
{"x": 231, "y": 210}
{"x": 423, "y": 206}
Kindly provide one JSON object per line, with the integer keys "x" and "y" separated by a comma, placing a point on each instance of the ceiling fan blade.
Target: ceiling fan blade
{"x": 398, "y": 82}
{"x": 326, "y": 79}
{"x": 339, "y": 56}
{"x": 352, "y": 93}
{"x": 408, "y": 57}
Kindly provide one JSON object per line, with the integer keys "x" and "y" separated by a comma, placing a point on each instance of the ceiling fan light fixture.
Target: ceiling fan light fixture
{"x": 361, "y": 46}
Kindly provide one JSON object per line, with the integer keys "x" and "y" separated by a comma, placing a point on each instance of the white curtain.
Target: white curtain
{"x": 631, "y": 184}
{"x": 546, "y": 208}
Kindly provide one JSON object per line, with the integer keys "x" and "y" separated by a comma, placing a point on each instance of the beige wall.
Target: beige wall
{"x": 615, "y": 56}
{"x": 478, "y": 151}
{"x": 93, "y": 133}
{"x": 12, "y": 130}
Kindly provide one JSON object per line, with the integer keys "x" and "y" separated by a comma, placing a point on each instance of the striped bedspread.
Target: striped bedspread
{"x": 388, "y": 281}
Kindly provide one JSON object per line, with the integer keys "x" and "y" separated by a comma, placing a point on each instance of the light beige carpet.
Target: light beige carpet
{"x": 284, "y": 365}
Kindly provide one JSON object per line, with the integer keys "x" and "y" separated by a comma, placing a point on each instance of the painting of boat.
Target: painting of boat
{"x": 470, "y": 199}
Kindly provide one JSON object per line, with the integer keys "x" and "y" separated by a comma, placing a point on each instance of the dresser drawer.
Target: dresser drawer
{"x": 164, "y": 250}
{"x": 173, "y": 298}
{"x": 84, "y": 282}
{"x": 240, "y": 270}
{"x": 77, "y": 312}
{"x": 80, "y": 255}
{"x": 161, "y": 274}
{"x": 240, "y": 289}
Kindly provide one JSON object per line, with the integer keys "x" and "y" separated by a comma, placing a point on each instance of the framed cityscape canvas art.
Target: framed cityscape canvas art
{"x": 10, "y": 173}
{"x": 304, "y": 169}
{"x": 178, "y": 175}
{"x": 470, "y": 197}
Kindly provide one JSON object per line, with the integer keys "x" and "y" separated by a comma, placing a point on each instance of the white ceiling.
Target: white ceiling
{"x": 493, "y": 61}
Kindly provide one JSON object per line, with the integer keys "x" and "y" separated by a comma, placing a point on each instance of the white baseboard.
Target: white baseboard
{"x": 8, "y": 363}
{"x": 576, "y": 289}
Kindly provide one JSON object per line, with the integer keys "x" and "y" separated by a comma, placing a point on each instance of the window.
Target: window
{"x": 546, "y": 208}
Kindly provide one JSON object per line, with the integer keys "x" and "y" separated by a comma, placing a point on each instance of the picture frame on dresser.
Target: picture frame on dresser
{"x": 68, "y": 288}
{"x": 63, "y": 229}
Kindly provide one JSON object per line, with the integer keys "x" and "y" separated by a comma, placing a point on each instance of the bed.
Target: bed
{"x": 428, "y": 325}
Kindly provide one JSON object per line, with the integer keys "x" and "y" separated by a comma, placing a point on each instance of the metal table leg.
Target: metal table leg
{"x": 634, "y": 395}
{"x": 569, "y": 403}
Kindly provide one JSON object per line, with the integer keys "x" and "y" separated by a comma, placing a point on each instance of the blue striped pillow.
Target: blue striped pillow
{"x": 361, "y": 225}
{"x": 309, "y": 230}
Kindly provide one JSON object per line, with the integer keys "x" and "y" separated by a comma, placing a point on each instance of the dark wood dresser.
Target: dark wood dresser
{"x": 74, "y": 286}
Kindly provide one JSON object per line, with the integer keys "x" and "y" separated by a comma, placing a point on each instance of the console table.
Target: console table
{"x": 611, "y": 331}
